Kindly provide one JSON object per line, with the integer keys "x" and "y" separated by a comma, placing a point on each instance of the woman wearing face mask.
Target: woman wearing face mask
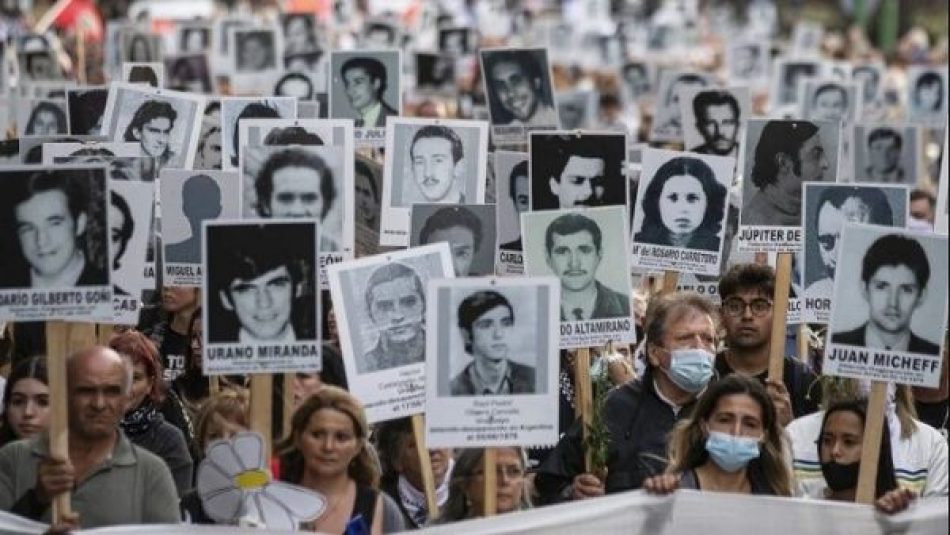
{"x": 839, "y": 449}
{"x": 918, "y": 451}
{"x": 683, "y": 206}
{"x": 25, "y": 401}
{"x": 732, "y": 443}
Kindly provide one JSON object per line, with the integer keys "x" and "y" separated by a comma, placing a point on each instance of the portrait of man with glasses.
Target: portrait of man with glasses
{"x": 746, "y": 291}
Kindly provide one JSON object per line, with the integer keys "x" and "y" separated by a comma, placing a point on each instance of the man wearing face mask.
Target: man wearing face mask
{"x": 746, "y": 291}
{"x": 680, "y": 340}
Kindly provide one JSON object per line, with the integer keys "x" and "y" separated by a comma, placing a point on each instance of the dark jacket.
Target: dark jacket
{"x": 639, "y": 424}
{"x": 609, "y": 304}
{"x": 856, "y": 338}
{"x": 167, "y": 442}
{"x": 521, "y": 377}
{"x": 800, "y": 381}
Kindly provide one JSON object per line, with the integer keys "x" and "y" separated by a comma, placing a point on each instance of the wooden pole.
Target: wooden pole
{"x": 425, "y": 463}
{"x": 803, "y": 337}
{"x": 490, "y": 467}
{"x": 783, "y": 278}
{"x": 214, "y": 385}
{"x": 871, "y": 448}
{"x": 583, "y": 396}
{"x": 80, "y": 55}
{"x": 261, "y": 391}
{"x": 104, "y": 333}
{"x": 670, "y": 280}
{"x": 57, "y": 347}
{"x": 287, "y": 399}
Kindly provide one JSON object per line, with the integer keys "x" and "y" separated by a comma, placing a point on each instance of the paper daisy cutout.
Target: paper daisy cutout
{"x": 234, "y": 483}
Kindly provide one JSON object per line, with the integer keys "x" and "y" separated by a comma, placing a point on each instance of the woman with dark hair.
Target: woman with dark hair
{"x": 683, "y": 206}
{"x": 25, "y": 401}
{"x": 192, "y": 387}
{"x": 839, "y": 449}
{"x": 327, "y": 451}
{"x": 467, "y": 486}
{"x": 733, "y": 442}
{"x": 46, "y": 119}
{"x": 144, "y": 423}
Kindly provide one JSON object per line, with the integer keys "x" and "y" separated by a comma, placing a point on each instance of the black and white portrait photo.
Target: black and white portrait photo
{"x": 682, "y": 204}
{"x": 519, "y": 91}
{"x": 256, "y": 50}
{"x": 189, "y": 198}
{"x": 927, "y": 95}
{"x": 55, "y": 238}
{"x": 166, "y": 123}
{"x": 577, "y": 109}
{"x": 365, "y": 87}
{"x": 748, "y": 61}
{"x": 298, "y": 85}
{"x": 236, "y": 109}
{"x": 435, "y": 73}
{"x": 299, "y": 31}
{"x": 380, "y": 34}
{"x": 42, "y": 117}
{"x": 84, "y": 109}
{"x": 714, "y": 119}
{"x": 869, "y": 78}
{"x": 496, "y": 338}
{"x": 894, "y": 307}
{"x": 39, "y": 65}
{"x": 151, "y": 74}
{"x": 788, "y": 73}
{"x": 297, "y": 182}
{"x": 193, "y": 37}
{"x": 469, "y": 229}
{"x": 780, "y": 155}
{"x": 575, "y": 245}
{"x": 380, "y": 306}
{"x": 131, "y": 206}
{"x": 188, "y": 72}
{"x": 512, "y": 197}
{"x": 886, "y": 153}
{"x": 828, "y": 99}
{"x": 942, "y": 208}
{"x": 93, "y": 152}
{"x": 637, "y": 77}
{"x": 828, "y": 208}
{"x": 141, "y": 47}
{"x": 430, "y": 161}
{"x": 668, "y": 119}
{"x": 571, "y": 169}
{"x": 457, "y": 41}
{"x": 368, "y": 182}
{"x": 260, "y": 296}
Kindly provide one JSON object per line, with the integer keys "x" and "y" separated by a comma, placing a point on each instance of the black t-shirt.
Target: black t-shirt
{"x": 173, "y": 350}
{"x": 800, "y": 381}
{"x": 934, "y": 414}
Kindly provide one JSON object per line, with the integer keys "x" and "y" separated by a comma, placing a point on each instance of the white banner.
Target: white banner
{"x": 683, "y": 513}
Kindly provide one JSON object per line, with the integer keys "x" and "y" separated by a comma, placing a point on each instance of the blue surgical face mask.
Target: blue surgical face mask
{"x": 691, "y": 369}
{"x": 731, "y": 453}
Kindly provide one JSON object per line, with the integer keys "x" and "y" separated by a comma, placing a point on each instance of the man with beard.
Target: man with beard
{"x": 717, "y": 119}
{"x": 395, "y": 303}
{"x": 746, "y": 291}
{"x": 516, "y": 83}
{"x": 787, "y": 154}
{"x": 485, "y": 320}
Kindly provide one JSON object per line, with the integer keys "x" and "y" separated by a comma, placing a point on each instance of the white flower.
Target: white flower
{"x": 233, "y": 482}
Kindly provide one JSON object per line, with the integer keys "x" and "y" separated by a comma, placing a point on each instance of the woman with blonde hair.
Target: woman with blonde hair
{"x": 327, "y": 451}
{"x": 732, "y": 443}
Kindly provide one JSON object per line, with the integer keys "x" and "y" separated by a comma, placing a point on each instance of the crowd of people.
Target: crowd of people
{"x": 691, "y": 404}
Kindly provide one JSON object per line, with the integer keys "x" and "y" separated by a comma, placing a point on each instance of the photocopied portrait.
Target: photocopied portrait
{"x": 513, "y": 196}
{"x": 469, "y": 230}
{"x": 829, "y": 207}
{"x": 140, "y": 47}
{"x": 442, "y": 161}
{"x": 380, "y": 305}
{"x": 637, "y": 79}
{"x": 927, "y": 95}
{"x": 577, "y": 109}
{"x": 714, "y": 119}
{"x": 828, "y": 99}
{"x": 84, "y": 109}
{"x": 260, "y": 282}
{"x": 299, "y": 33}
{"x": 897, "y": 301}
{"x": 780, "y": 156}
{"x": 518, "y": 87}
{"x": 492, "y": 340}
{"x": 151, "y": 74}
{"x": 42, "y": 117}
{"x": 668, "y": 118}
{"x": 748, "y": 61}
{"x": 256, "y": 50}
{"x": 193, "y": 38}
{"x": 236, "y": 109}
{"x": 785, "y": 81}
{"x": 365, "y": 86}
{"x": 570, "y": 169}
{"x": 166, "y": 123}
{"x": 886, "y": 154}
{"x": 131, "y": 206}
{"x": 435, "y": 73}
{"x": 682, "y": 203}
{"x": 188, "y": 72}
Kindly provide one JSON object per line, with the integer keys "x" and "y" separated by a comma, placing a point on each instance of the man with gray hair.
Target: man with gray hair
{"x": 112, "y": 481}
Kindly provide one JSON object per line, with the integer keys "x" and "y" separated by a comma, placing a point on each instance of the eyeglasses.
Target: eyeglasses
{"x": 509, "y": 472}
{"x": 736, "y": 307}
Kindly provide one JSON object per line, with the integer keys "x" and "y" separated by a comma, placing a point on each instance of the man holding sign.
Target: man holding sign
{"x": 894, "y": 276}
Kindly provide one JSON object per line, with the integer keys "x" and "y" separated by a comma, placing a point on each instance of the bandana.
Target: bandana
{"x": 414, "y": 501}
{"x": 140, "y": 420}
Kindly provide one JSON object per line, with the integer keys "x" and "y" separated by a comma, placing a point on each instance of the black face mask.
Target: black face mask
{"x": 841, "y": 476}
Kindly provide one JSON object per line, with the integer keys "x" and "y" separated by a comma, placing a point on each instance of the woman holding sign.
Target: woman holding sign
{"x": 732, "y": 443}
{"x": 683, "y": 206}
